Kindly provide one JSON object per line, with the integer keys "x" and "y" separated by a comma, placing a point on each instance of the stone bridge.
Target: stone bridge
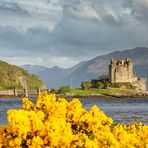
{"x": 22, "y": 92}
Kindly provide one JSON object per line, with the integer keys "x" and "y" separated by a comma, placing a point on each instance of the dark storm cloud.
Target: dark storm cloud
{"x": 97, "y": 31}
{"x": 12, "y": 8}
{"x": 33, "y": 40}
{"x": 84, "y": 29}
{"x": 139, "y": 8}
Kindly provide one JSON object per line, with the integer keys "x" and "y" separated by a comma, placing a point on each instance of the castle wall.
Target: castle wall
{"x": 140, "y": 84}
{"x": 122, "y": 74}
{"x": 122, "y": 71}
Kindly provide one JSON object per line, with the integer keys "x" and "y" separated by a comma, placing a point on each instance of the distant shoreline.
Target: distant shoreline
{"x": 105, "y": 96}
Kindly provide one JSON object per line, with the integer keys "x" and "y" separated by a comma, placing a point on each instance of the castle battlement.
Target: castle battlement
{"x": 126, "y": 62}
{"x": 122, "y": 71}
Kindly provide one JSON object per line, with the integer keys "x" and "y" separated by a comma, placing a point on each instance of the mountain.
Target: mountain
{"x": 92, "y": 69}
{"x": 12, "y": 76}
{"x": 52, "y": 77}
{"x": 33, "y": 68}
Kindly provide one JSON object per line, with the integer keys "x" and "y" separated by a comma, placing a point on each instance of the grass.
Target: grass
{"x": 111, "y": 91}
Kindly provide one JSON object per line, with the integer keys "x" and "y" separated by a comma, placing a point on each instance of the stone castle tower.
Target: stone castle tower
{"x": 122, "y": 71}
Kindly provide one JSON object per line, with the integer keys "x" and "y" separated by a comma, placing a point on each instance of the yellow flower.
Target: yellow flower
{"x": 53, "y": 122}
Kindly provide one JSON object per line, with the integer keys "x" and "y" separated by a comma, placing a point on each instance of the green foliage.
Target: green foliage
{"x": 10, "y": 77}
{"x": 10, "y": 85}
{"x": 126, "y": 85}
{"x": 92, "y": 91}
{"x": 53, "y": 90}
{"x": 64, "y": 89}
{"x": 99, "y": 85}
{"x": 86, "y": 85}
{"x": 33, "y": 81}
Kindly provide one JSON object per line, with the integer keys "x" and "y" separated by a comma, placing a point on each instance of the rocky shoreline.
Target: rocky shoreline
{"x": 108, "y": 96}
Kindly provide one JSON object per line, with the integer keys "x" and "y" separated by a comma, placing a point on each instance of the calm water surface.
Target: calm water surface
{"x": 121, "y": 110}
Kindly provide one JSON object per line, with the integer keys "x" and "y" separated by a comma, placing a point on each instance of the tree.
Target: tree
{"x": 99, "y": 85}
{"x": 86, "y": 85}
{"x": 64, "y": 89}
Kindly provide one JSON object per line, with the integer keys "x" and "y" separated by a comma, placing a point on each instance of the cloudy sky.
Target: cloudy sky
{"x": 65, "y": 32}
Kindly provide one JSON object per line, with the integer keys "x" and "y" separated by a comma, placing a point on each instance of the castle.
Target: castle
{"x": 122, "y": 71}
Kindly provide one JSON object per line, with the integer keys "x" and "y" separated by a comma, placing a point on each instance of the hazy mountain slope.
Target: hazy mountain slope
{"x": 12, "y": 76}
{"x": 100, "y": 64}
{"x": 52, "y": 77}
{"x": 33, "y": 68}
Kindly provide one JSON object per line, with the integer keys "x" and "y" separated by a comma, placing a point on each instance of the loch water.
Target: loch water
{"x": 126, "y": 110}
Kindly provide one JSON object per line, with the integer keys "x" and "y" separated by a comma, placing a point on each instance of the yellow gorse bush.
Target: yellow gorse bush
{"x": 52, "y": 123}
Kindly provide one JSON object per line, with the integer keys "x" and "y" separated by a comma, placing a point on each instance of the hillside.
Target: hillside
{"x": 12, "y": 76}
{"x": 84, "y": 71}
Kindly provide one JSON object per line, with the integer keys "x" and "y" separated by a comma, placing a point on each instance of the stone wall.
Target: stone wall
{"x": 122, "y": 71}
{"x": 140, "y": 84}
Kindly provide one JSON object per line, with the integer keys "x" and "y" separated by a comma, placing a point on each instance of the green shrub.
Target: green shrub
{"x": 86, "y": 85}
{"x": 99, "y": 85}
{"x": 64, "y": 89}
